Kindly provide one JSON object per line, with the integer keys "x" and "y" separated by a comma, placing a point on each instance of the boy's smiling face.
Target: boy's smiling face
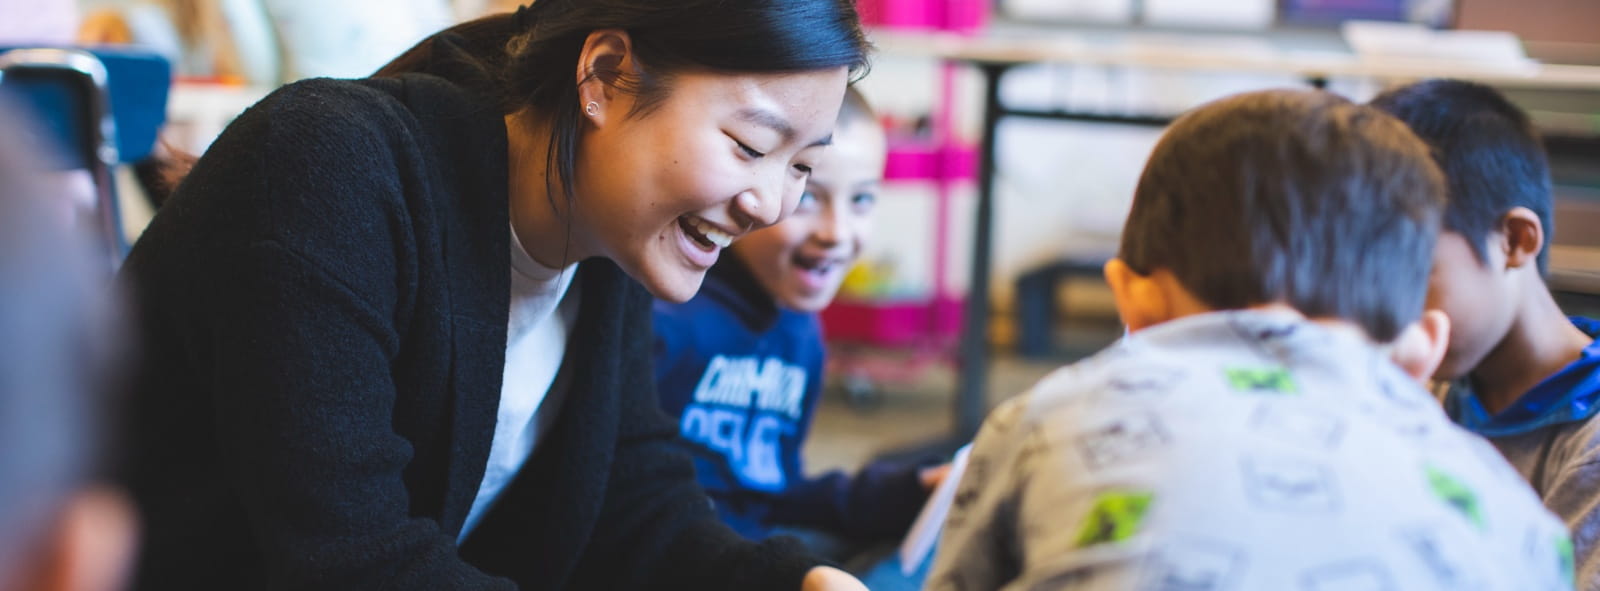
{"x": 802, "y": 261}
{"x": 1476, "y": 294}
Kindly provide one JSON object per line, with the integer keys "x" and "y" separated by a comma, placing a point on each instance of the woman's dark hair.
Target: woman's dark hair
{"x": 1298, "y": 197}
{"x": 531, "y": 54}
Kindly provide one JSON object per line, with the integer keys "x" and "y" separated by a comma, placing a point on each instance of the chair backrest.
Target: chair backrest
{"x": 66, "y": 90}
{"x": 100, "y": 108}
{"x": 138, "y": 83}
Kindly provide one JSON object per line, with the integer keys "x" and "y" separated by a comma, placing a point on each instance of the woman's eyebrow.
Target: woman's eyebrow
{"x": 777, "y": 123}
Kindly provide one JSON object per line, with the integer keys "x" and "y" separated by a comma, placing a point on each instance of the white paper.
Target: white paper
{"x": 1100, "y": 11}
{"x": 1381, "y": 40}
{"x": 1228, "y": 14}
{"x": 919, "y": 542}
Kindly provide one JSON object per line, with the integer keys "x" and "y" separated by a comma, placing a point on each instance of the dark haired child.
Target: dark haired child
{"x": 740, "y": 366}
{"x": 1253, "y": 432}
{"x": 1523, "y": 374}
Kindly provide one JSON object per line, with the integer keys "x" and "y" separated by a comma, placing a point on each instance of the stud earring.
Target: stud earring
{"x": 593, "y": 108}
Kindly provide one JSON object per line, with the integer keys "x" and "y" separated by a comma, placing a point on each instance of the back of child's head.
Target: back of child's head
{"x": 1490, "y": 153}
{"x": 1294, "y": 197}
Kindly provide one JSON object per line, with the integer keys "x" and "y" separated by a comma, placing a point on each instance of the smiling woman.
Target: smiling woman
{"x": 396, "y": 327}
{"x": 720, "y": 156}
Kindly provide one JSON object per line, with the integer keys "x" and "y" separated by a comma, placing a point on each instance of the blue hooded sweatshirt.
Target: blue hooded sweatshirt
{"x": 1551, "y": 437}
{"x": 1571, "y": 395}
{"x": 743, "y": 378}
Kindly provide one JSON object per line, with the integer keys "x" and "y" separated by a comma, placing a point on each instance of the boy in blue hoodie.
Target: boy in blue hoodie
{"x": 1522, "y": 373}
{"x": 740, "y": 365}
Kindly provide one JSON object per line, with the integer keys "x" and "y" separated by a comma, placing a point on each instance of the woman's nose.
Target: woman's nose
{"x": 761, "y": 208}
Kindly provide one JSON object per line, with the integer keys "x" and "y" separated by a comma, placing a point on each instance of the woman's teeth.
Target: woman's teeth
{"x": 712, "y": 234}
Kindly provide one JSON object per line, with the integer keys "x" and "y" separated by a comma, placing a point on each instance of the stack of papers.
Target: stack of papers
{"x": 1095, "y": 11}
{"x": 1382, "y": 40}
{"x": 1221, "y": 14}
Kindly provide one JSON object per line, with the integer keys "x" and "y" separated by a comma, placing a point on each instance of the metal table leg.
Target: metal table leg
{"x": 971, "y": 401}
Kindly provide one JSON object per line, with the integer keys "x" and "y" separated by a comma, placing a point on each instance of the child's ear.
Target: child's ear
{"x": 1521, "y": 237}
{"x": 1140, "y": 302}
{"x": 1421, "y": 347}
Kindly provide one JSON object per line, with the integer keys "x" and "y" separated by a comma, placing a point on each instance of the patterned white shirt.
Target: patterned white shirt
{"x": 1235, "y": 451}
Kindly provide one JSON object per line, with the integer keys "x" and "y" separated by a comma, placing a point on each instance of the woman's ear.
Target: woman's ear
{"x": 1139, "y": 301}
{"x": 606, "y": 58}
{"x": 1521, "y": 237}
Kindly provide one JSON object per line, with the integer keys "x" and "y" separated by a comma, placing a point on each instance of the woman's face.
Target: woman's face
{"x": 663, "y": 193}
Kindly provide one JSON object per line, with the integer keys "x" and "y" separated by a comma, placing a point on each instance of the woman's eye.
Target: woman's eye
{"x": 749, "y": 151}
{"x": 803, "y": 168}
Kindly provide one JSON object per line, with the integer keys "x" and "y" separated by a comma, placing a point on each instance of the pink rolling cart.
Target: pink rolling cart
{"x": 926, "y": 329}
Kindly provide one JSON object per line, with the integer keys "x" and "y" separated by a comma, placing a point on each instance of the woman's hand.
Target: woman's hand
{"x": 827, "y": 578}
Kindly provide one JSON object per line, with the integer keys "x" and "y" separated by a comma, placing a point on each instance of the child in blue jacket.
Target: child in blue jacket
{"x": 1522, "y": 373}
{"x": 741, "y": 365}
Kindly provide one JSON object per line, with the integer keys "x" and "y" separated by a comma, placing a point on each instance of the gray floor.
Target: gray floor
{"x": 915, "y": 406}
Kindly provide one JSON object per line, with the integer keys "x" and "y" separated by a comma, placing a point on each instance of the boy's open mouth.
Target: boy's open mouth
{"x": 817, "y": 265}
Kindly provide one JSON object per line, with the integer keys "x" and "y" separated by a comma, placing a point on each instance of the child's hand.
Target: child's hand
{"x": 1420, "y": 348}
{"x": 827, "y": 578}
{"x": 931, "y": 477}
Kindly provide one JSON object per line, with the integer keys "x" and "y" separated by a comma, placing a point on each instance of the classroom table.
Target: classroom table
{"x": 994, "y": 56}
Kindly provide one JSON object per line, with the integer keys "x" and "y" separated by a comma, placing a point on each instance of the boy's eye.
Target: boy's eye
{"x": 808, "y": 202}
{"x": 864, "y": 200}
{"x": 803, "y": 168}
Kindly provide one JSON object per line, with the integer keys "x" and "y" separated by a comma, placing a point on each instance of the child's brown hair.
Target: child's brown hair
{"x": 1296, "y": 197}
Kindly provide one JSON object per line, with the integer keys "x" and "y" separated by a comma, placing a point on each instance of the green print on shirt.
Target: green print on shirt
{"x": 1115, "y": 516}
{"x": 1569, "y": 565}
{"x": 1456, "y": 494}
{"x": 1274, "y": 380}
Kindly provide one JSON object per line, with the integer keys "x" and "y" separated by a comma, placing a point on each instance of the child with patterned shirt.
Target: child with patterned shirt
{"x": 1254, "y": 431}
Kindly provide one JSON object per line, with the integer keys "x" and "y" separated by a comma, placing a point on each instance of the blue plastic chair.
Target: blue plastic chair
{"x": 98, "y": 108}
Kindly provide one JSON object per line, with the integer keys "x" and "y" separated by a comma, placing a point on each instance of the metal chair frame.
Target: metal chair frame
{"x": 99, "y": 149}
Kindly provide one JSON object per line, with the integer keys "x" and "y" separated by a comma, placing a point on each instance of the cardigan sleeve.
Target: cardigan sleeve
{"x": 308, "y": 442}
{"x": 657, "y": 515}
